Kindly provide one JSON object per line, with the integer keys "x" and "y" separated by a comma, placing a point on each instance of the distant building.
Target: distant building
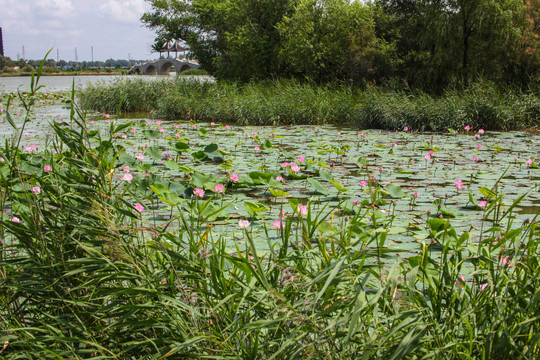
{"x": 1, "y": 43}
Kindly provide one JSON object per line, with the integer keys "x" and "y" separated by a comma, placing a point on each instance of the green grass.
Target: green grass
{"x": 480, "y": 106}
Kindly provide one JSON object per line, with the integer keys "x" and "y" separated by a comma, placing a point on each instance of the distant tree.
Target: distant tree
{"x": 20, "y": 63}
{"x": 6, "y": 62}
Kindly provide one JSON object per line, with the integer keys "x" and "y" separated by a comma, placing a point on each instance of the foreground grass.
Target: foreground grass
{"x": 284, "y": 103}
{"x": 82, "y": 276}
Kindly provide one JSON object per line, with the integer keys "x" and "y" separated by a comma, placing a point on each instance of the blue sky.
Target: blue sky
{"x": 112, "y": 27}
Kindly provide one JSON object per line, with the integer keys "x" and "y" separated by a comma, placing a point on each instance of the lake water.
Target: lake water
{"x": 60, "y": 83}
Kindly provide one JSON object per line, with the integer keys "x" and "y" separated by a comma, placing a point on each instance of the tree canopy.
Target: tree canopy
{"x": 430, "y": 44}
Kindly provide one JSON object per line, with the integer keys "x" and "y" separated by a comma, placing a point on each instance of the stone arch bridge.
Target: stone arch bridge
{"x": 163, "y": 66}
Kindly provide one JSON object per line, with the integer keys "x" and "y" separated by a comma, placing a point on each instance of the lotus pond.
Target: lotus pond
{"x": 237, "y": 176}
{"x": 142, "y": 238}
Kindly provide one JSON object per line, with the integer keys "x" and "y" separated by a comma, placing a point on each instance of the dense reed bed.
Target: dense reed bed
{"x": 289, "y": 102}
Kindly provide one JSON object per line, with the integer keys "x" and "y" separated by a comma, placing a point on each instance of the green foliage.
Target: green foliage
{"x": 328, "y": 40}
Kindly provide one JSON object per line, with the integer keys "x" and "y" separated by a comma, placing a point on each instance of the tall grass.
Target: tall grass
{"x": 82, "y": 276}
{"x": 289, "y": 102}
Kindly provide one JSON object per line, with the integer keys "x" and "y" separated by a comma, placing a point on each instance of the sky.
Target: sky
{"x": 112, "y": 27}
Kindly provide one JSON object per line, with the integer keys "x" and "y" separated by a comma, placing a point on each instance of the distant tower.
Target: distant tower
{"x": 23, "y": 53}
{"x": 1, "y": 43}
{"x": 92, "y": 50}
{"x": 57, "y": 55}
{"x": 76, "y": 57}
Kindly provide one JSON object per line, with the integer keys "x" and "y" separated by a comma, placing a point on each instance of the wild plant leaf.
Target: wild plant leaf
{"x": 318, "y": 186}
{"x": 181, "y": 146}
{"x": 278, "y": 193}
{"x": 488, "y": 193}
{"x": 152, "y": 134}
{"x": 338, "y": 186}
{"x": 159, "y": 189}
{"x": 395, "y": 191}
{"x": 154, "y": 153}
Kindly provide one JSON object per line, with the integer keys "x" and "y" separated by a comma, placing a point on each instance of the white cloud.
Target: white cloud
{"x": 55, "y": 8}
{"x": 124, "y": 11}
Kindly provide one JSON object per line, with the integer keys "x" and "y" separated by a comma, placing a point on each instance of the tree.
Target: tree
{"x": 6, "y": 62}
{"x": 235, "y": 39}
{"x": 329, "y": 39}
{"x": 450, "y": 41}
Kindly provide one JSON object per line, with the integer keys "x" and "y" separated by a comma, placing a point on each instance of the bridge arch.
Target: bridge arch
{"x": 165, "y": 68}
{"x": 150, "y": 70}
{"x": 184, "y": 68}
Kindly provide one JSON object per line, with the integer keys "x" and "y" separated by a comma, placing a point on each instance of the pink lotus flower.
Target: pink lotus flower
{"x": 148, "y": 122}
{"x": 295, "y": 168}
{"x": 162, "y": 130}
{"x": 257, "y": 149}
{"x": 279, "y": 178}
{"x": 126, "y": 169}
{"x": 406, "y": 128}
{"x": 285, "y": 164}
{"x": 483, "y": 286}
{"x": 478, "y": 145}
{"x": 127, "y": 177}
{"x": 243, "y": 224}
{"x": 301, "y": 159}
{"x": 227, "y": 127}
{"x": 194, "y": 126}
{"x": 529, "y": 161}
{"x": 199, "y": 192}
{"x": 212, "y": 124}
{"x": 158, "y": 122}
{"x": 467, "y": 128}
{"x": 415, "y": 195}
{"x": 234, "y": 177}
{"x": 140, "y": 157}
{"x": 458, "y": 184}
{"x": 15, "y": 219}
{"x": 36, "y": 190}
{"x": 219, "y": 188}
{"x": 482, "y": 204}
{"x": 139, "y": 207}
{"x": 279, "y": 224}
{"x": 427, "y": 157}
{"x": 355, "y": 202}
{"x": 475, "y": 159}
{"x": 506, "y": 261}
{"x": 363, "y": 183}
{"x": 176, "y": 126}
{"x": 302, "y": 210}
{"x": 47, "y": 168}
{"x": 282, "y": 214}
{"x": 253, "y": 132}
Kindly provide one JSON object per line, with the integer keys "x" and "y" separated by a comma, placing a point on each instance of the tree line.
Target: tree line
{"x": 9, "y": 66}
{"x": 424, "y": 44}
